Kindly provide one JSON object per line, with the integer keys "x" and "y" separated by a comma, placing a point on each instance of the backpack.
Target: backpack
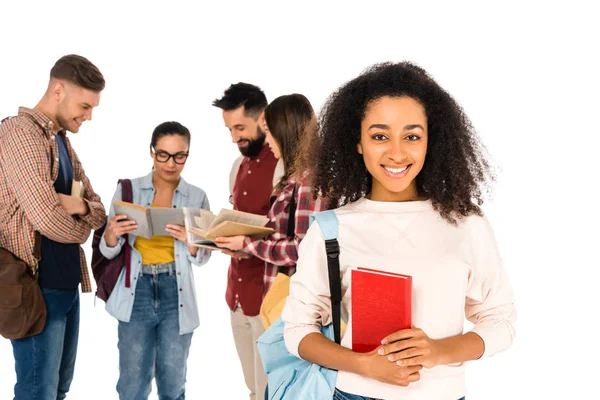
{"x": 273, "y": 302}
{"x": 290, "y": 377}
{"x": 106, "y": 272}
{"x": 22, "y": 306}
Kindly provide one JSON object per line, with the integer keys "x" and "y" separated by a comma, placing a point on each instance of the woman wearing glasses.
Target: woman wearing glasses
{"x": 156, "y": 308}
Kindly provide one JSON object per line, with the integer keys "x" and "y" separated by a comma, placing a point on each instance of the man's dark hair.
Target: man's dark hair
{"x": 167, "y": 129}
{"x": 243, "y": 94}
{"x": 80, "y": 71}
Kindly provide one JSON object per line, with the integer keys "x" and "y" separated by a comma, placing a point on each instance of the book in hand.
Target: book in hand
{"x": 77, "y": 189}
{"x": 151, "y": 221}
{"x": 204, "y": 227}
{"x": 381, "y": 305}
{"x": 189, "y": 216}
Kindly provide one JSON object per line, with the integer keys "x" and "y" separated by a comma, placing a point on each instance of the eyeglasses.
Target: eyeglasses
{"x": 162, "y": 156}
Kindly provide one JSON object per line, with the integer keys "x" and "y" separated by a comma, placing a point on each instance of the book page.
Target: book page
{"x": 138, "y": 214}
{"x": 203, "y": 220}
{"x": 239, "y": 217}
{"x": 160, "y": 217}
{"x": 194, "y": 221}
{"x": 376, "y": 271}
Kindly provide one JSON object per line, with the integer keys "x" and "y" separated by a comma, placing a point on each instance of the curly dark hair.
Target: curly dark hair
{"x": 456, "y": 175}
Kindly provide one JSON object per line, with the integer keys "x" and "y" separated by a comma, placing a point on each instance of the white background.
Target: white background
{"x": 526, "y": 73}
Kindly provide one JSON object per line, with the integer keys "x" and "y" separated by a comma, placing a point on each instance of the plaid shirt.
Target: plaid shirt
{"x": 28, "y": 200}
{"x": 278, "y": 250}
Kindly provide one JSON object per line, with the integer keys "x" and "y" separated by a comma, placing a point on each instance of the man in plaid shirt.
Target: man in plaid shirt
{"x": 38, "y": 169}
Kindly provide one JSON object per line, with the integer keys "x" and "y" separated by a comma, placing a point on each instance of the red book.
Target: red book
{"x": 381, "y": 305}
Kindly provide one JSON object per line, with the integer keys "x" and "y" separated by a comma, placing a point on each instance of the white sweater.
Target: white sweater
{"x": 457, "y": 272}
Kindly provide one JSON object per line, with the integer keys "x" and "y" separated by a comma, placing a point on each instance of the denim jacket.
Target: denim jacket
{"x": 120, "y": 302}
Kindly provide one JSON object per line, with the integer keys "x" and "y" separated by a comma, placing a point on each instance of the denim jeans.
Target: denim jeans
{"x": 339, "y": 395}
{"x": 150, "y": 344}
{"x": 45, "y": 363}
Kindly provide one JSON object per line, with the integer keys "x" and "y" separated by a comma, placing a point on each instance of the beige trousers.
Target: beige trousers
{"x": 246, "y": 330}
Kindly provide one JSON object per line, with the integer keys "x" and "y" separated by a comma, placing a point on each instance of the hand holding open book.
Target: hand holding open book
{"x": 151, "y": 221}
{"x": 233, "y": 243}
{"x": 204, "y": 227}
{"x": 201, "y": 225}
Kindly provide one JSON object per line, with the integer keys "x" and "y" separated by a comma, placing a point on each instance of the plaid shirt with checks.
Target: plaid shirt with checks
{"x": 28, "y": 201}
{"x": 279, "y": 250}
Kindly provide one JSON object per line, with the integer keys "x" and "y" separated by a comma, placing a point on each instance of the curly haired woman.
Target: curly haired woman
{"x": 401, "y": 160}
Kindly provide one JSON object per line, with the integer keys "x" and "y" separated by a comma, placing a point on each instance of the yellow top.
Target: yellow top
{"x": 158, "y": 250}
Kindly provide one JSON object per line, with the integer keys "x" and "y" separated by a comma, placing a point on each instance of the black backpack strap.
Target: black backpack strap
{"x": 291, "y": 228}
{"x": 291, "y": 231}
{"x": 335, "y": 285}
{"x": 329, "y": 225}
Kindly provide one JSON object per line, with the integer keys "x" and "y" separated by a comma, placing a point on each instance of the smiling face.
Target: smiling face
{"x": 74, "y": 105}
{"x": 245, "y": 131}
{"x": 394, "y": 145}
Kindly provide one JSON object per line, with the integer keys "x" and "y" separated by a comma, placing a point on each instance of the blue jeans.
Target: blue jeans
{"x": 150, "y": 344}
{"x": 339, "y": 395}
{"x": 45, "y": 363}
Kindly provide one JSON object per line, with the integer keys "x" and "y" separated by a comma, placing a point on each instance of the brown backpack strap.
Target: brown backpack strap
{"x": 37, "y": 251}
{"x": 37, "y": 241}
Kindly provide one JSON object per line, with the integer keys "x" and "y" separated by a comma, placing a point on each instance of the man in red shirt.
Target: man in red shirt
{"x": 252, "y": 178}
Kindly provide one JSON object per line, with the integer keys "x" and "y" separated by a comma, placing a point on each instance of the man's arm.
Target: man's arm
{"x": 96, "y": 213}
{"x": 26, "y": 164}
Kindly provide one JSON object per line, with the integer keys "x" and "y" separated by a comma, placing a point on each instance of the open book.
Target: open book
{"x": 204, "y": 227}
{"x": 151, "y": 221}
